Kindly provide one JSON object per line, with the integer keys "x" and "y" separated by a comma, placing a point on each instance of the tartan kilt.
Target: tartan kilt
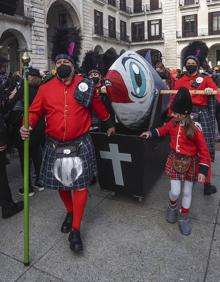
{"x": 207, "y": 120}
{"x": 190, "y": 175}
{"x": 86, "y": 153}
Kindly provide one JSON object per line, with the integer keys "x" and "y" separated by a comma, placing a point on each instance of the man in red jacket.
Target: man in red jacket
{"x": 69, "y": 163}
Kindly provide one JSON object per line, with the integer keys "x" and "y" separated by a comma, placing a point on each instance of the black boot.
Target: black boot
{"x": 11, "y": 209}
{"x": 209, "y": 189}
{"x": 67, "y": 224}
{"x": 75, "y": 241}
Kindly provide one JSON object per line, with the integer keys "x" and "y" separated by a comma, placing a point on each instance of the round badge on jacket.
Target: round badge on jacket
{"x": 83, "y": 86}
{"x": 199, "y": 79}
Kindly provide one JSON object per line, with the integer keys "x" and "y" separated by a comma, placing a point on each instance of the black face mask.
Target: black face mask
{"x": 64, "y": 71}
{"x": 191, "y": 69}
{"x": 95, "y": 79}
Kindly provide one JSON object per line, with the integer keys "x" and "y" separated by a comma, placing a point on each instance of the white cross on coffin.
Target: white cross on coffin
{"x": 116, "y": 158}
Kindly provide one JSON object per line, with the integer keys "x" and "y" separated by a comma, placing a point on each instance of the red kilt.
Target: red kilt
{"x": 190, "y": 175}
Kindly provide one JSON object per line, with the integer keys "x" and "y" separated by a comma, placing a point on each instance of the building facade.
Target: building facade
{"x": 164, "y": 26}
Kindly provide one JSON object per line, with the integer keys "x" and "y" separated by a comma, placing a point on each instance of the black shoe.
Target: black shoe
{"x": 11, "y": 209}
{"x": 38, "y": 186}
{"x": 31, "y": 192}
{"x": 75, "y": 241}
{"x": 67, "y": 224}
{"x": 209, "y": 189}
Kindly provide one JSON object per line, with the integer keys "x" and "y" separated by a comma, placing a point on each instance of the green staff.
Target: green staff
{"x": 25, "y": 61}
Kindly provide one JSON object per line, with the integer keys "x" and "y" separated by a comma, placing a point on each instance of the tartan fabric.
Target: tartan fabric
{"x": 190, "y": 175}
{"x": 207, "y": 120}
{"x": 86, "y": 153}
{"x": 84, "y": 92}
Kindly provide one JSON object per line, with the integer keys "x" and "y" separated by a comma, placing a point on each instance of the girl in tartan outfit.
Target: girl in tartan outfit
{"x": 188, "y": 161}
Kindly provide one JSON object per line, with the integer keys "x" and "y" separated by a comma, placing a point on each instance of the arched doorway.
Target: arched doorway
{"x": 98, "y": 49}
{"x": 214, "y": 54}
{"x": 12, "y": 44}
{"x": 60, "y": 15}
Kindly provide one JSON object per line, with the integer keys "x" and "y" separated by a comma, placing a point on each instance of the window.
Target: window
{"x": 112, "y": 2}
{"x": 154, "y": 5}
{"x": 123, "y": 31}
{"x": 154, "y": 30}
{"x": 98, "y": 22}
{"x": 214, "y": 23}
{"x": 123, "y": 5}
{"x": 111, "y": 27}
{"x": 63, "y": 20}
{"x": 137, "y": 31}
{"x": 189, "y": 25}
{"x": 138, "y": 6}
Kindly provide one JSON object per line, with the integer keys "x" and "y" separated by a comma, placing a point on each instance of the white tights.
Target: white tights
{"x": 187, "y": 192}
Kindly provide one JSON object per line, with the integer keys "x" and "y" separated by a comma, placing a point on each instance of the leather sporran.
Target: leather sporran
{"x": 181, "y": 163}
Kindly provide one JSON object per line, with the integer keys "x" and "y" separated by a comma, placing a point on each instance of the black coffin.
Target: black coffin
{"x": 128, "y": 163}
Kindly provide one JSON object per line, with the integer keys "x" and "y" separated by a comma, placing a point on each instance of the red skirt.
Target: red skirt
{"x": 190, "y": 175}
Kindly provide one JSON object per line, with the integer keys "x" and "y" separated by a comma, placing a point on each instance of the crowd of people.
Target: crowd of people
{"x": 57, "y": 148}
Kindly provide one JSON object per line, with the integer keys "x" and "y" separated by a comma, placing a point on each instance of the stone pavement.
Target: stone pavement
{"x": 124, "y": 240}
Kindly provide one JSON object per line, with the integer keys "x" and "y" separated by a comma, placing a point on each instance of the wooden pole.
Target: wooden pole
{"x": 192, "y": 92}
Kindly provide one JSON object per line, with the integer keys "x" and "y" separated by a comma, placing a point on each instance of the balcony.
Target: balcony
{"x": 100, "y": 2}
{"x": 20, "y": 13}
{"x": 151, "y": 39}
{"x": 188, "y": 4}
{"x": 138, "y": 10}
{"x": 212, "y": 2}
{"x": 112, "y": 3}
{"x": 201, "y": 32}
{"x": 108, "y": 35}
{"x": 125, "y": 9}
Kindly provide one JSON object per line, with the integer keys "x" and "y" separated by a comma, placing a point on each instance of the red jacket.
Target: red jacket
{"x": 183, "y": 145}
{"x": 66, "y": 119}
{"x": 187, "y": 80}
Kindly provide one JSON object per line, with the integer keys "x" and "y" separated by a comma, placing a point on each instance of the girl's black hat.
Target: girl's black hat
{"x": 182, "y": 103}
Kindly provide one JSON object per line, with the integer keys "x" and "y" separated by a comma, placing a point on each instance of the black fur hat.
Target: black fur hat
{"x": 196, "y": 50}
{"x": 109, "y": 57}
{"x": 182, "y": 103}
{"x": 34, "y": 72}
{"x": 66, "y": 44}
{"x": 92, "y": 62}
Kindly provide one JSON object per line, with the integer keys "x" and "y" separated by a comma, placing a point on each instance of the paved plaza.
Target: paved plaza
{"x": 124, "y": 240}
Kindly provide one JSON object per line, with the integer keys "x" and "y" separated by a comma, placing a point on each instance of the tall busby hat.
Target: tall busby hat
{"x": 182, "y": 103}
{"x": 196, "y": 50}
{"x": 66, "y": 44}
{"x": 92, "y": 62}
{"x": 109, "y": 57}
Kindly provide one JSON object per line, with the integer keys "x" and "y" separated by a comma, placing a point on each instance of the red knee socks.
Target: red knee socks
{"x": 75, "y": 204}
{"x": 79, "y": 203}
{"x": 66, "y": 197}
